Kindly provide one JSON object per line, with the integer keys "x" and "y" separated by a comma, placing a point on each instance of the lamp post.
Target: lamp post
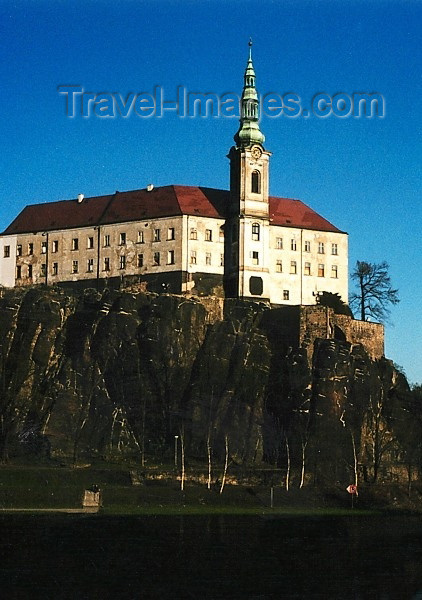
{"x": 176, "y": 437}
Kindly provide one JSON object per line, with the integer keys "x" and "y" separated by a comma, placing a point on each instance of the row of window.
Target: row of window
{"x": 256, "y": 234}
{"x": 208, "y": 235}
{"x": 90, "y": 242}
{"x": 157, "y": 261}
{"x": 156, "y": 237}
{"x": 307, "y": 269}
{"x": 306, "y": 246}
{"x": 208, "y": 258}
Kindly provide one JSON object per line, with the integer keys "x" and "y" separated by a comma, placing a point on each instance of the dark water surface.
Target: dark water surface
{"x": 218, "y": 557}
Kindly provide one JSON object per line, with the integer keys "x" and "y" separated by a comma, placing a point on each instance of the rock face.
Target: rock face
{"x": 120, "y": 373}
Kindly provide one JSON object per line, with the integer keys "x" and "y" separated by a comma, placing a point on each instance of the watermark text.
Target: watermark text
{"x": 187, "y": 104}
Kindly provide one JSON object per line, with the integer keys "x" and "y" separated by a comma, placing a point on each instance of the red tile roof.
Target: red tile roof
{"x": 294, "y": 213}
{"x": 167, "y": 201}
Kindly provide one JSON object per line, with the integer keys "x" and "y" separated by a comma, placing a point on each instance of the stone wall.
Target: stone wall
{"x": 370, "y": 335}
{"x": 321, "y": 322}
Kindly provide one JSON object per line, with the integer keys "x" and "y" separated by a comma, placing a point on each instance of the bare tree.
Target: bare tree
{"x": 226, "y": 463}
{"x": 182, "y": 450}
{"x": 288, "y": 464}
{"x": 209, "y": 454}
{"x": 374, "y": 293}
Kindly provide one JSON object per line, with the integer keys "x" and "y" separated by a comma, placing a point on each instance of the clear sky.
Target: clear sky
{"x": 362, "y": 174}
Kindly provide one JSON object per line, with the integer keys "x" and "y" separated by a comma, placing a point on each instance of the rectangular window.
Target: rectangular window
{"x": 279, "y": 266}
{"x": 279, "y": 243}
{"x": 156, "y": 260}
{"x": 30, "y": 271}
{"x": 255, "y": 258}
{"x": 307, "y": 269}
{"x": 255, "y": 232}
{"x": 193, "y": 257}
{"x": 18, "y": 272}
{"x": 334, "y": 249}
{"x": 30, "y": 248}
{"x": 293, "y": 267}
{"x": 334, "y": 272}
{"x": 321, "y": 270}
{"x": 75, "y": 244}
{"x": 222, "y": 260}
{"x": 140, "y": 260}
{"x": 122, "y": 262}
{"x": 208, "y": 235}
{"x": 90, "y": 265}
{"x": 221, "y": 234}
{"x": 140, "y": 237}
{"x": 43, "y": 247}
{"x": 208, "y": 258}
{"x": 19, "y": 250}
{"x": 43, "y": 270}
{"x": 193, "y": 233}
{"x": 6, "y": 252}
{"x": 55, "y": 269}
{"x": 75, "y": 266}
{"x": 157, "y": 235}
{"x": 122, "y": 239}
{"x": 321, "y": 248}
{"x": 286, "y": 294}
{"x": 90, "y": 243}
{"x": 55, "y": 246}
{"x": 106, "y": 264}
{"x": 170, "y": 233}
{"x": 307, "y": 246}
{"x": 293, "y": 244}
{"x": 170, "y": 257}
{"x": 106, "y": 241}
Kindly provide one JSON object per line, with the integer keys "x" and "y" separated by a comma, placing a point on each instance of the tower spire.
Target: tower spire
{"x": 249, "y": 132}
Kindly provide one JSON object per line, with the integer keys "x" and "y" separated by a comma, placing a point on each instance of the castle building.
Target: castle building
{"x": 240, "y": 242}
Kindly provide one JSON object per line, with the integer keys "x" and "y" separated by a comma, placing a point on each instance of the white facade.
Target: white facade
{"x": 7, "y": 260}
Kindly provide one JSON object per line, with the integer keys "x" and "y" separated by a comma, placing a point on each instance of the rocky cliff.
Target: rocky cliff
{"x": 122, "y": 374}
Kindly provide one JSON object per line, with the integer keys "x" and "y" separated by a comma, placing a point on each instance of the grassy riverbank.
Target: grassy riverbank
{"x": 158, "y": 492}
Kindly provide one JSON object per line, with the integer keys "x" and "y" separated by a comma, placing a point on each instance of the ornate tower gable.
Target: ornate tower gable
{"x": 247, "y": 226}
{"x": 249, "y": 161}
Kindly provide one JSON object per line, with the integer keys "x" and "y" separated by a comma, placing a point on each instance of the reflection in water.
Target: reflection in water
{"x": 214, "y": 557}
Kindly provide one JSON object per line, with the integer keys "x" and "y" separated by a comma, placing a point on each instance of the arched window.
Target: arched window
{"x": 255, "y": 232}
{"x": 256, "y": 182}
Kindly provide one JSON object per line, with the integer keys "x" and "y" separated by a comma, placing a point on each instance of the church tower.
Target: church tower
{"x": 247, "y": 225}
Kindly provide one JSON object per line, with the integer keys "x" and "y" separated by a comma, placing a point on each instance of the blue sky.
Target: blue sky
{"x": 362, "y": 174}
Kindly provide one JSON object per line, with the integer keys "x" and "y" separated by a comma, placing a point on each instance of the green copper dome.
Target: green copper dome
{"x": 249, "y": 132}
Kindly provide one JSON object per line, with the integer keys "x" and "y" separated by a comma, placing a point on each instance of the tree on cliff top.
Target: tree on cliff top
{"x": 373, "y": 293}
{"x": 333, "y": 301}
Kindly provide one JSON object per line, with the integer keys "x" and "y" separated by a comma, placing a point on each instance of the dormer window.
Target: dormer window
{"x": 256, "y": 182}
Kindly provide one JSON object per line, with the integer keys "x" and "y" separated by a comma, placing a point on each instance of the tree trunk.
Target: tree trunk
{"x": 226, "y": 464}
{"x": 288, "y": 465}
{"x": 355, "y": 459}
{"x": 182, "y": 449}
{"x": 302, "y": 474}
{"x": 209, "y": 460}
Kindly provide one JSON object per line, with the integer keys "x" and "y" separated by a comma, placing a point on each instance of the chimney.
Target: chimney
{"x": 80, "y": 198}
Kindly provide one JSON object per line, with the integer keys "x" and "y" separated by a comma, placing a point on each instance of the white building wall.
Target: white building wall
{"x": 203, "y": 246}
{"x": 308, "y": 250}
{"x": 7, "y": 260}
{"x": 197, "y": 247}
{"x": 254, "y": 254}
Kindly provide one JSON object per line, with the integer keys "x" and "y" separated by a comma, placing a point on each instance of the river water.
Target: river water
{"x": 210, "y": 557}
